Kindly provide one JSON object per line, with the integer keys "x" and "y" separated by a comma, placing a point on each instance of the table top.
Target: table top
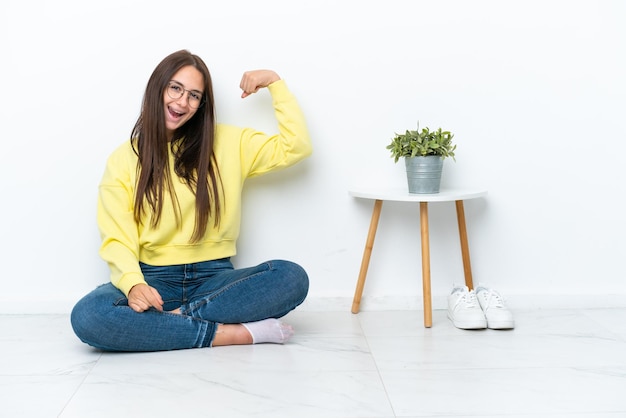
{"x": 402, "y": 194}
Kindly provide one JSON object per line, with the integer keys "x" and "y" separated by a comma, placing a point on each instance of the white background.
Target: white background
{"x": 534, "y": 92}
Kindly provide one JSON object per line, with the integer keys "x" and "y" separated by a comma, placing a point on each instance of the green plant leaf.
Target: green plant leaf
{"x": 422, "y": 142}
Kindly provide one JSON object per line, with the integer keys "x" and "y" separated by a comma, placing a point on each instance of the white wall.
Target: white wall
{"x": 534, "y": 92}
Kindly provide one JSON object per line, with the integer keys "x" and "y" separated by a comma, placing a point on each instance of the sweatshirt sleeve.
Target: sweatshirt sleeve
{"x": 262, "y": 153}
{"x": 118, "y": 230}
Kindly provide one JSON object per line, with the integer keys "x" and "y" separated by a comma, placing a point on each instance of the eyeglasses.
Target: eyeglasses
{"x": 176, "y": 90}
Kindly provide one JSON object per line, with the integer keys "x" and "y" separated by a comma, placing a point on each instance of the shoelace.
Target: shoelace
{"x": 494, "y": 300}
{"x": 469, "y": 298}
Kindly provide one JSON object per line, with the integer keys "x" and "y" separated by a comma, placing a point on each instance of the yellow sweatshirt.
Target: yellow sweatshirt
{"x": 240, "y": 152}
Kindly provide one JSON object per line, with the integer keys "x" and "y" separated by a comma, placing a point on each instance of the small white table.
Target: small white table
{"x": 402, "y": 195}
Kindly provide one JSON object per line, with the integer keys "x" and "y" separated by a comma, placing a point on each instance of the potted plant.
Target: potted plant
{"x": 423, "y": 151}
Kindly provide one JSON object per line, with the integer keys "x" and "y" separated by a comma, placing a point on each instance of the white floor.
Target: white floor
{"x": 555, "y": 363}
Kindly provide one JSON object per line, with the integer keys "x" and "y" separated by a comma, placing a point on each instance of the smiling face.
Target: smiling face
{"x": 178, "y": 111}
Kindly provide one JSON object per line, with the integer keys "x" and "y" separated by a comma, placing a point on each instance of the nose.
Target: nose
{"x": 183, "y": 99}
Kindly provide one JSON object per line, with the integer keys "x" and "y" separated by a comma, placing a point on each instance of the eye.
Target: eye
{"x": 195, "y": 95}
{"x": 176, "y": 88}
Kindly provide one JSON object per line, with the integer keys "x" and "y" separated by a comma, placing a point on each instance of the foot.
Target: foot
{"x": 269, "y": 330}
{"x": 231, "y": 334}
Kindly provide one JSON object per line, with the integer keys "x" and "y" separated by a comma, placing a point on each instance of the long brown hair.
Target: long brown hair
{"x": 192, "y": 145}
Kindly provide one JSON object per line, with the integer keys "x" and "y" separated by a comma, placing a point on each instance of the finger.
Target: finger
{"x": 250, "y": 83}
{"x": 139, "y": 300}
{"x": 155, "y": 300}
{"x": 248, "y": 93}
{"x": 136, "y": 307}
{"x": 156, "y": 295}
{"x": 156, "y": 304}
{"x": 248, "y": 89}
{"x": 244, "y": 83}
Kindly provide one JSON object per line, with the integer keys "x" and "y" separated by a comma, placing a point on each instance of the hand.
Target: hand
{"x": 252, "y": 81}
{"x": 142, "y": 297}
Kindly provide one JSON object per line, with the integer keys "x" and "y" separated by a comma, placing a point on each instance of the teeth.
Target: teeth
{"x": 177, "y": 113}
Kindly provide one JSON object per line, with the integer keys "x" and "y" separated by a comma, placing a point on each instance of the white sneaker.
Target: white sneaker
{"x": 497, "y": 314}
{"x": 463, "y": 309}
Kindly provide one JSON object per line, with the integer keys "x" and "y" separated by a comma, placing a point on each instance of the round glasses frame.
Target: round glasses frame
{"x": 175, "y": 91}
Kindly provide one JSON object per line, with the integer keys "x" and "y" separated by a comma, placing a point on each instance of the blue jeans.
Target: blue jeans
{"x": 208, "y": 293}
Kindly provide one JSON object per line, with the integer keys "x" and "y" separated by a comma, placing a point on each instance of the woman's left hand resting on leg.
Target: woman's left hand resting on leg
{"x": 143, "y": 297}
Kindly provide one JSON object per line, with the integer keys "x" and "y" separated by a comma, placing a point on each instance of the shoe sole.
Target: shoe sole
{"x": 500, "y": 325}
{"x": 468, "y": 324}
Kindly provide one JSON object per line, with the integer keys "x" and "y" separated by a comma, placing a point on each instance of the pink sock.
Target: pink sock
{"x": 269, "y": 330}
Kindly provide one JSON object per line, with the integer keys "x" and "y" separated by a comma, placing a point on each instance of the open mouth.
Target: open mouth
{"x": 174, "y": 114}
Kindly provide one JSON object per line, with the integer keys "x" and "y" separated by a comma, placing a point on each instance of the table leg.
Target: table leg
{"x": 369, "y": 244}
{"x": 467, "y": 267}
{"x": 428, "y": 310}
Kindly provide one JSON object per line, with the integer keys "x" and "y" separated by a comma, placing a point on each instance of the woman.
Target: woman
{"x": 169, "y": 210}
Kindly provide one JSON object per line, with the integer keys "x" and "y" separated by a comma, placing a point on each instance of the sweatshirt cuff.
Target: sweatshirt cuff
{"x": 277, "y": 86}
{"x": 128, "y": 281}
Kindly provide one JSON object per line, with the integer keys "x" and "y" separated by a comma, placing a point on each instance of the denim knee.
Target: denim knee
{"x": 296, "y": 279}
{"x": 88, "y": 316}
